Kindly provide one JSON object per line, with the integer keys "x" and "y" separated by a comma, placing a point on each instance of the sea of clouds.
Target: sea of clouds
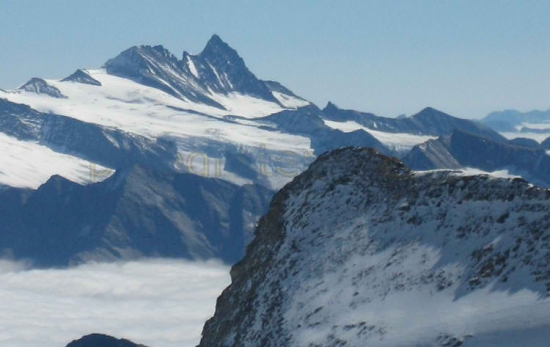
{"x": 159, "y": 303}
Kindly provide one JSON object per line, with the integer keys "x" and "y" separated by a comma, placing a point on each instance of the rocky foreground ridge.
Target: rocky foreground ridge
{"x": 359, "y": 250}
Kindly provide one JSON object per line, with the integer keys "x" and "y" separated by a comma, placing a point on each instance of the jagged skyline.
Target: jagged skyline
{"x": 465, "y": 58}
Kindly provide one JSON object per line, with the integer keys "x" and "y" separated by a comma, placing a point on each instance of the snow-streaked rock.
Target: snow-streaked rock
{"x": 360, "y": 251}
{"x": 81, "y": 76}
{"x": 40, "y": 86}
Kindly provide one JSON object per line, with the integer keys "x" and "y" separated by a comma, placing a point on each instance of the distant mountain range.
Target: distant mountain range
{"x": 155, "y": 155}
{"x": 461, "y": 149}
{"x": 516, "y": 121}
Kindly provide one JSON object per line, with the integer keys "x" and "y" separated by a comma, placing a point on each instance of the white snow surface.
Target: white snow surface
{"x": 146, "y": 111}
{"x": 470, "y": 171}
{"x": 25, "y": 164}
{"x": 137, "y": 109}
{"x": 192, "y": 67}
{"x": 396, "y": 141}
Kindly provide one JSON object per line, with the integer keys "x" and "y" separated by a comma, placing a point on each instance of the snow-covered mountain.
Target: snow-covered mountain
{"x": 200, "y": 104}
{"x": 138, "y": 212}
{"x": 202, "y": 107}
{"x": 206, "y": 116}
{"x": 360, "y": 251}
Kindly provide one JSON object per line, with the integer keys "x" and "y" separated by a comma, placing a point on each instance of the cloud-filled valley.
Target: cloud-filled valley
{"x": 160, "y": 303}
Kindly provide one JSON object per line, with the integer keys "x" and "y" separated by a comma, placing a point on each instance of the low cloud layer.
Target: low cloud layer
{"x": 158, "y": 303}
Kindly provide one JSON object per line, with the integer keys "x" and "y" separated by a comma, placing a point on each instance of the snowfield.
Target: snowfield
{"x": 199, "y": 130}
{"x": 28, "y": 165}
{"x": 395, "y": 141}
{"x": 142, "y": 110}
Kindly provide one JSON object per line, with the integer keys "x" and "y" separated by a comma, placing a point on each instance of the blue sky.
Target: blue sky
{"x": 388, "y": 57}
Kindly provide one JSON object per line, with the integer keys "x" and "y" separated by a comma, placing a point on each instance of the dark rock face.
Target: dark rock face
{"x": 20, "y": 121}
{"x": 221, "y": 69}
{"x": 357, "y": 229}
{"x": 138, "y": 212}
{"x": 546, "y": 143}
{"x": 39, "y": 86}
{"x": 99, "y": 340}
{"x": 80, "y": 76}
{"x": 431, "y": 155}
{"x": 524, "y": 142}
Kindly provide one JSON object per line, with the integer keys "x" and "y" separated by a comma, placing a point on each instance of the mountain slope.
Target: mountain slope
{"x": 202, "y": 106}
{"x": 308, "y": 121}
{"x": 102, "y": 145}
{"x": 358, "y": 251}
{"x": 138, "y": 212}
{"x": 205, "y": 115}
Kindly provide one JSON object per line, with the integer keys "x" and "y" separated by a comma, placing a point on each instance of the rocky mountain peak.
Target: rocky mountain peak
{"x": 223, "y": 70}
{"x": 40, "y": 86}
{"x": 431, "y": 113}
{"x": 81, "y": 76}
{"x": 217, "y": 46}
{"x": 139, "y": 59}
{"x": 330, "y": 107}
{"x": 217, "y": 69}
{"x": 357, "y": 247}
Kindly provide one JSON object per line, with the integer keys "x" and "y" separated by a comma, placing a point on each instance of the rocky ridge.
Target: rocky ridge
{"x": 360, "y": 250}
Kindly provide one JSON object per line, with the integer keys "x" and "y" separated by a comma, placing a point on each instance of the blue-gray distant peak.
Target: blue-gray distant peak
{"x": 516, "y": 121}
{"x": 330, "y": 107}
